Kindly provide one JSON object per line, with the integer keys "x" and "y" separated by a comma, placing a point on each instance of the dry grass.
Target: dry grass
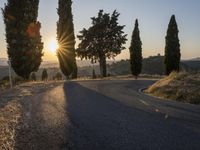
{"x": 182, "y": 86}
{"x": 10, "y": 116}
{"x": 12, "y": 110}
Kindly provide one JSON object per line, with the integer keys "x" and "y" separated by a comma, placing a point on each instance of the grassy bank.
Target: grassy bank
{"x": 184, "y": 87}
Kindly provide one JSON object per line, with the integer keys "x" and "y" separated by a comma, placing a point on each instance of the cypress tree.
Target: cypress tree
{"x": 136, "y": 52}
{"x": 24, "y": 46}
{"x": 172, "y": 48}
{"x": 44, "y": 75}
{"x": 66, "y": 39}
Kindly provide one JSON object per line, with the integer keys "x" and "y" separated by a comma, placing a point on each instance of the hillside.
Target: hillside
{"x": 154, "y": 65}
{"x": 151, "y": 65}
{"x": 184, "y": 87}
{"x": 194, "y": 64}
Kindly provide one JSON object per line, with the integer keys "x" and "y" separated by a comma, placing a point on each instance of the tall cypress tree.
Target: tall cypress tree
{"x": 136, "y": 52}
{"x": 24, "y": 46}
{"x": 172, "y": 48}
{"x": 66, "y": 39}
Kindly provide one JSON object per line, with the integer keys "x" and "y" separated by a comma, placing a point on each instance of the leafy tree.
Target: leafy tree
{"x": 66, "y": 39}
{"x": 44, "y": 75}
{"x": 33, "y": 77}
{"x": 104, "y": 39}
{"x": 172, "y": 48}
{"x": 24, "y": 46}
{"x": 136, "y": 52}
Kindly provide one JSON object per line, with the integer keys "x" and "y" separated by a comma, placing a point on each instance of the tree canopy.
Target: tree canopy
{"x": 104, "y": 39}
{"x": 172, "y": 48}
{"x": 136, "y": 51}
{"x": 24, "y": 46}
{"x": 66, "y": 39}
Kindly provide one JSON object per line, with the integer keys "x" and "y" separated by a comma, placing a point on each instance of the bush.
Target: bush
{"x": 33, "y": 77}
{"x": 6, "y": 78}
{"x": 17, "y": 80}
{"x": 58, "y": 76}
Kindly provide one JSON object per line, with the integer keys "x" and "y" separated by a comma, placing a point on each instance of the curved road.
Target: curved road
{"x": 114, "y": 115}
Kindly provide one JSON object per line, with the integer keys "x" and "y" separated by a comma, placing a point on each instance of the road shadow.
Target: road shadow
{"x": 44, "y": 124}
{"x": 100, "y": 122}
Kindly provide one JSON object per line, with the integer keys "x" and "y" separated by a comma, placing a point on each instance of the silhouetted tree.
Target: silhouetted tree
{"x": 24, "y": 46}
{"x": 172, "y": 48}
{"x": 75, "y": 71}
{"x": 44, "y": 75}
{"x": 136, "y": 52}
{"x": 66, "y": 39}
{"x": 33, "y": 77}
{"x": 93, "y": 74}
{"x": 103, "y": 40}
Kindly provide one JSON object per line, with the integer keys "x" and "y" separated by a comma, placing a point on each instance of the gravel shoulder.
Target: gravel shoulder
{"x": 30, "y": 117}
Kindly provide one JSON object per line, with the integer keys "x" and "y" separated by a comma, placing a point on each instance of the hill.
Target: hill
{"x": 183, "y": 87}
{"x": 194, "y": 64}
{"x": 151, "y": 65}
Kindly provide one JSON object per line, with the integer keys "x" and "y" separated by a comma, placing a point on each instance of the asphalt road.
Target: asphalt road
{"x": 114, "y": 115}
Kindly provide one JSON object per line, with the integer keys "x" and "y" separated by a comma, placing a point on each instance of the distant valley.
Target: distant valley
{"x": 153, "y": 65}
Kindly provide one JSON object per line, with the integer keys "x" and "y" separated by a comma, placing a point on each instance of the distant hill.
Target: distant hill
{"x": 48, "y": 64}
{"x": 196, "y": 59}
{"x": 151, "y": 65}
{"x": 194, "y": 64}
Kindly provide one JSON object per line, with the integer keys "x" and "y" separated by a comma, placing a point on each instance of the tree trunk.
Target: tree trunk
{"x": 102, "y": 63}
{"x": 136, "y": 77}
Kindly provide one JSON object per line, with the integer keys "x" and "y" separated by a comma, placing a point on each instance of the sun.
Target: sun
{"x": 53, "y": 45}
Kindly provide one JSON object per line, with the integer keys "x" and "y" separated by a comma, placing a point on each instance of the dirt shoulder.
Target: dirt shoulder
{"x": 30, "y": 117}
{"x": 184, "y": 87}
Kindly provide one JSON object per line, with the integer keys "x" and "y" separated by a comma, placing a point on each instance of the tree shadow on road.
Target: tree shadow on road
{"x": 44, "y": 124}
{"x": 100, "y": 122}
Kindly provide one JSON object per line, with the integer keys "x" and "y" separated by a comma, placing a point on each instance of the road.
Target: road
{"x": 114, "y": 115}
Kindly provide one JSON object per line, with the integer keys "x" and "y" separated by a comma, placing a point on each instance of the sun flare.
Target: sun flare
{"x": 53, "y": 45}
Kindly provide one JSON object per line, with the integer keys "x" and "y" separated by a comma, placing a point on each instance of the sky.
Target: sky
{"x": 153, "y": 16}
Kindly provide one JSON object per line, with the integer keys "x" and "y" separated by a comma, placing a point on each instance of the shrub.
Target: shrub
{"x": 33, "y": 77}
{"x": 58, "y": 76}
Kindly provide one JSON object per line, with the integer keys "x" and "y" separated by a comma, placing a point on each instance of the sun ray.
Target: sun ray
{"x": 53, "y": 45}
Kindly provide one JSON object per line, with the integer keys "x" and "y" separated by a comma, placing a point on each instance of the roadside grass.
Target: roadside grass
{"x": 120, "y": 77}
{"x": 12, "y": 111}
{"x": 9, "y": 118}
{"x": 183, "y": 87}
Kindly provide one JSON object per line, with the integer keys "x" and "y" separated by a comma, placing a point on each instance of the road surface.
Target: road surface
{"x": 114, "y": 115}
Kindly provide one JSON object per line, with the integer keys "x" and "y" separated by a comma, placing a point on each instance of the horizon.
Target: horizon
{"x": 152, "y": 24}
